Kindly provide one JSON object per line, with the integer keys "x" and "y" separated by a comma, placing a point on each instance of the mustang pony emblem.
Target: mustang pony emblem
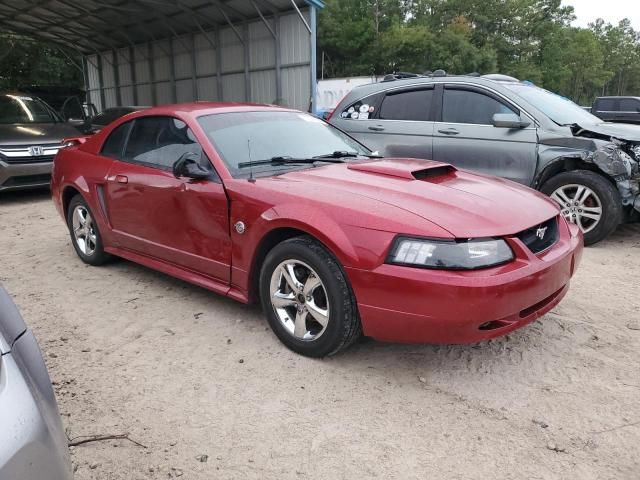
{"x": 541, "y": 232}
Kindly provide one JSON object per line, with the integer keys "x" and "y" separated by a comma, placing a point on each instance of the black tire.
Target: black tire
{"x": 97, "y": 256}
{"x": 606, "y": 192}
{"x": 343, "y": 326}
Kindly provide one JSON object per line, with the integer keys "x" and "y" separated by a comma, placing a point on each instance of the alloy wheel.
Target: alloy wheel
{"x": 580, "y": 205}
{"x": 299, "y": 300}
{"x": 84, "y": 232}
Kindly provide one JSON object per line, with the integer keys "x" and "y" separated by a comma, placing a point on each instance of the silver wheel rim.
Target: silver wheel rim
{"x": 84, "y": 232}
{"x": 299, "y": 300}
{"x": 579, "y": 205}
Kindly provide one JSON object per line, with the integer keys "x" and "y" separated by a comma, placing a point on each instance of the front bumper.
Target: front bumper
{"x": 411, "y": 305}
{"x": 33, "y": 445}
{"x": 24, "y": 175}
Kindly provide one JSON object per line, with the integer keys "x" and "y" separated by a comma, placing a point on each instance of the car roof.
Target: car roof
{"x": 493, "y": 81}
{"x": 127, "y": 107}
{"x": 206, "y": 108}
{"x": 618, "y": 97}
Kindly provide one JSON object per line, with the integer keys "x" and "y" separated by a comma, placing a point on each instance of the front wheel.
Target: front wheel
{"x": 307, "y": 299}
{"x": 588, "y": 200}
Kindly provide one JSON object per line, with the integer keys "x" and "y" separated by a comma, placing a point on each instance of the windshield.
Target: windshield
{"x": 559, "y": 109}
{"x": 273, "y": 134}
{"x": 24, "y": 109}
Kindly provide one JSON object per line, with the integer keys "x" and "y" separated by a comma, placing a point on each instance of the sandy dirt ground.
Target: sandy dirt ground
{"x": 189, "y": 374}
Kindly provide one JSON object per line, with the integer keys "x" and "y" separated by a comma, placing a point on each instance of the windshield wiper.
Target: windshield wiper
{"x": 345, "y": 154}
{"x": 285, "y": 160}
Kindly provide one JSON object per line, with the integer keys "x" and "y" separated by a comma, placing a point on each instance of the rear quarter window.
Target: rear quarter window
{"x": 363, "y": 109}
{"x": 114, "y": 144}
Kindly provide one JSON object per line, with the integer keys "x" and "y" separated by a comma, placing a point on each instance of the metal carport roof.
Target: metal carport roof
{"x": 91, "y": 28}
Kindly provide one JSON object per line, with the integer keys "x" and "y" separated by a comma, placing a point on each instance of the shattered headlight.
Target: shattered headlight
{"x": 449, "y": 254}
{"x": 636, "y": 152}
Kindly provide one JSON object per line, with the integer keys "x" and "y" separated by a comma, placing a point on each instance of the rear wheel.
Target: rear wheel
{"x": 588, "y": 200}
{"x": 307, "y": 299}
{"x": 85, "y": 234}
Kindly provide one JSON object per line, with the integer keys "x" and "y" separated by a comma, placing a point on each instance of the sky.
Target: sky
{"x": 611, "y": 11}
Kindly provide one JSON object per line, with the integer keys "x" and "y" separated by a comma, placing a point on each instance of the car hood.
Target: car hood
{"x": 466, "y": 204}
{"x": 621, "y": 131}
{"x": 35, "y": 133}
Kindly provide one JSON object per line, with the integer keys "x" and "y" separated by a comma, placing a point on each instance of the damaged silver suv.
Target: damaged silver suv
{"x": 497, "y": 125}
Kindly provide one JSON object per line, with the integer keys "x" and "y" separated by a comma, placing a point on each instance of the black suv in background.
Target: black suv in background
{"x": 617, "y": 109}
{"x": 31, "y": 133}
{"x": 497, "y": 125}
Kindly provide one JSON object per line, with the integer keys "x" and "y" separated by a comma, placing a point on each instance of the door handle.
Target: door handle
{"x": 376, "y": 128}
{"x": 449, "y": 131}
{"x": 122, "y": 179}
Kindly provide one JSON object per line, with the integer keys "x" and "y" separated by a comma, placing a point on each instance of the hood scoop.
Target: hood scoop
{"x": 409, "y": 169}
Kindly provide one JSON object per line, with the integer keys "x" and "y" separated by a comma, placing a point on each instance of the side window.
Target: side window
{"x": 114, "y": 144}
{"x": 407, "y": 105}
{"x": 629, "y": 105}
{"x": 160, "y": 141}
{"x": 606, "y": 105}
{"x": 362, "y": 109}
{"x": 466, "y": 106}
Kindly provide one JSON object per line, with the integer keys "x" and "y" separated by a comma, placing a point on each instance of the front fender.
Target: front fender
{"x": 316, "y": 223}
{"x": 309, "y": 220}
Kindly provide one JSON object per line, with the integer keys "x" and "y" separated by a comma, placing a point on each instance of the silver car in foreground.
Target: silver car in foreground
{"x": 33, "y": 445}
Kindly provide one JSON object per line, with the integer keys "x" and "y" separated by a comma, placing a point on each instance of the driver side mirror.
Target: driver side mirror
{"x": 187, "y": 166}
{"x": 510, "y": 120}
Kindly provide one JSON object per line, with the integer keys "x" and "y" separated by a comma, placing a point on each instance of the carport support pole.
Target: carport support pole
{"x": 116, "y": 76}
{"x": 194, "y": 68}
{"x": 100, "y": 82}
{"x": 219, "y": 92}
{"x": 314, "y": 67}
{"x": 132, "y": 67}
{"x": 278, "y": 50}
{"x": 87, "y": 87}
{"x": 152, "y": 75}
{"x": 172, "y": 72}
{"x": 247, "y": 61}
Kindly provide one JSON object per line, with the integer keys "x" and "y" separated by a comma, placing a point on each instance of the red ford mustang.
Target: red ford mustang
{"x": 261, "y": 202}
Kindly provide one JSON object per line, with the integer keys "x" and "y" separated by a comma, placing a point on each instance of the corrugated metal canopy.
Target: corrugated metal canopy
{"x": 90, "y": 26}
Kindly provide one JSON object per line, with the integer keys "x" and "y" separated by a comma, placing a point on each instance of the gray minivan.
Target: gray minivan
{"x": 31, "y": 133}
{"x": 500, "y": 126}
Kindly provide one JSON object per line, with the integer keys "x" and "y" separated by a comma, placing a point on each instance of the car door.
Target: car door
{"x": 466, "y": 137}
{"x": 178, "y": 220}
{"x": 397, "y": 123}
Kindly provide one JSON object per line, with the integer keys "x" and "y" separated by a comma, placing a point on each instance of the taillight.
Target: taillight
{"x": 73, "y": 141}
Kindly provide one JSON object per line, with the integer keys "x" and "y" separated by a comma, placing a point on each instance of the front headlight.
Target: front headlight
{"x": 449, "y": 254}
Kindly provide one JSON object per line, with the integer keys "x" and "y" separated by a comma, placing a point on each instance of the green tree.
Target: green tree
{"x": 621, "y": 48}
{"x": 24, "y": 62}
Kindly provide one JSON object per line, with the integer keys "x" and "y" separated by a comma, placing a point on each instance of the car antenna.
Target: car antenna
{"x": 251, "y": 179}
